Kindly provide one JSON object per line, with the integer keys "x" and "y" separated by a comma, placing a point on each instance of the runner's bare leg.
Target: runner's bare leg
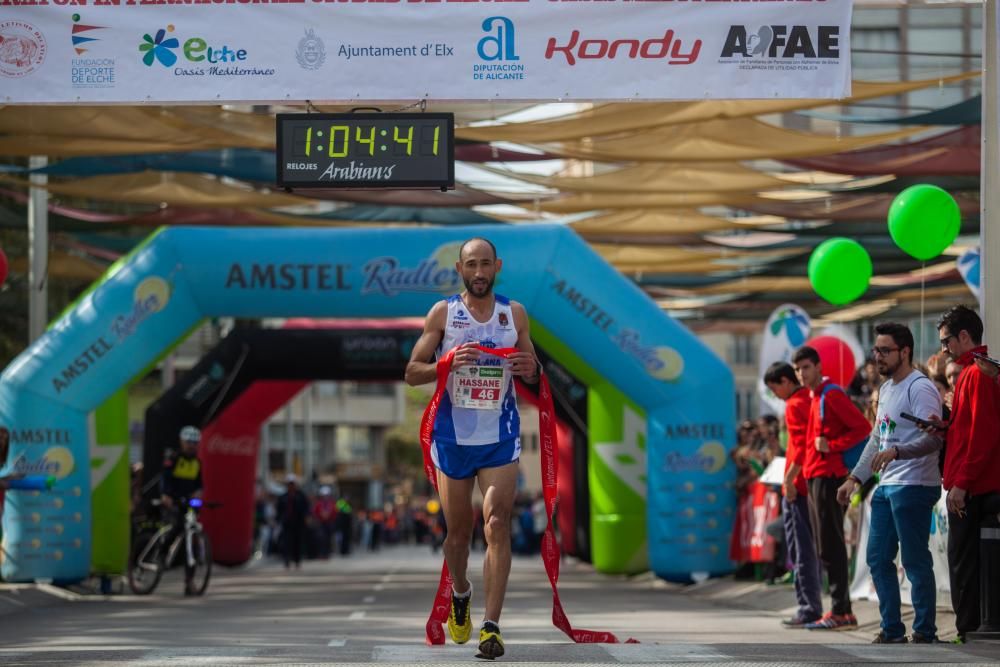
{"x": 456, "y": 503}
{"x": 499, "y": 487}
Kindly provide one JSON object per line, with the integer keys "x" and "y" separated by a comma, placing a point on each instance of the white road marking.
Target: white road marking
{"x": 337, "y": 642}
{"x": 368, "y": 599}
{"x": 356, "y": 616}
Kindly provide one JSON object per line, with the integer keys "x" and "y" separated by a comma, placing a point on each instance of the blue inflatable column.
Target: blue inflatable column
{"x": 691, "y": 489}
{"x": 46, "y": 534}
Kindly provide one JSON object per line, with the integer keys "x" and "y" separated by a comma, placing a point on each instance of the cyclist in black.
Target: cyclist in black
{"x": 181, "y": 482}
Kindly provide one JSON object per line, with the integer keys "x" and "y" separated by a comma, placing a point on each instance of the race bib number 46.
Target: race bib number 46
{"x": 478, "y": 387}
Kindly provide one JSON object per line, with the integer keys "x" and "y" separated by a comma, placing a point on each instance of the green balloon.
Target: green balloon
{"x": 924, "y": 220}
{"x": 839, "y": 270}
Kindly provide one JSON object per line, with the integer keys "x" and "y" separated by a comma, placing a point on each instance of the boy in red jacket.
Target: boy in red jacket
{"x": 835, "y": 425}
{"x": 972, "y": 459}
{"x": 780, "y": 378}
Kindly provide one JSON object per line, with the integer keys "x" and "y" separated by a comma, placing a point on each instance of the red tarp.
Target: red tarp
{"x": 953, "y": 153}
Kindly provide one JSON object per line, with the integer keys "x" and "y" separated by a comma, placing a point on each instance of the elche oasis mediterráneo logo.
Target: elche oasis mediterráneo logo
{"x": 200, "y": 58}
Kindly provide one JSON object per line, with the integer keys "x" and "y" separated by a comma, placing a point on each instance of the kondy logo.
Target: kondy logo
{"x": 160, "y": 48}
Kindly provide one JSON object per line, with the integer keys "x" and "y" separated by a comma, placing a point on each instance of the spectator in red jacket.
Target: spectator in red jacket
{"x": 835, "y": 426}
{"x": 780, "y": 379}
{"x": 972, "y": 459}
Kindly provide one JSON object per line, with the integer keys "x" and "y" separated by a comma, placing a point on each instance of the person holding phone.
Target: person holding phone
{"x": 909, "y": 487}
{"x": 972, "y": 458}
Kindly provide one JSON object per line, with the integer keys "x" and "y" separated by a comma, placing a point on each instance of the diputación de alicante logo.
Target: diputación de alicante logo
{"x": 197, "y": 56}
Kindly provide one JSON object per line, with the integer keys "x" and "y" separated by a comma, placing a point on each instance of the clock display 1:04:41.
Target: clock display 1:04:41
{"x": 337, "y": 141}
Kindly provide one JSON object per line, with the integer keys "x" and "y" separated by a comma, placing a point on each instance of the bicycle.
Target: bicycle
{"x": 151, "y": 559}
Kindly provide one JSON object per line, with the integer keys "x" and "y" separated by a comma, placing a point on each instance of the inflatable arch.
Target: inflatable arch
{"x": 660, "y": 403}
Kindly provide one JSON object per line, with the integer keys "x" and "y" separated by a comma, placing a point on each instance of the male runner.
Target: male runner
{"x": 477, "y": 430}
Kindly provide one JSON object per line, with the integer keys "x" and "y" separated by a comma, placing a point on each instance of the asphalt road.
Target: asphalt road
{"x": 371, "y": 609}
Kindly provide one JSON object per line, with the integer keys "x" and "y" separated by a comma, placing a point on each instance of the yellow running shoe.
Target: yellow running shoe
{"x": 460, "y": 618}
{"x": 490, "y": 641}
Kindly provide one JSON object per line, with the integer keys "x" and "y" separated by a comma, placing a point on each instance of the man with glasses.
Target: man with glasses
{"x": 972, "y": 458}
{"x": 909, "y": 487}
{"x": 835, "y": 426}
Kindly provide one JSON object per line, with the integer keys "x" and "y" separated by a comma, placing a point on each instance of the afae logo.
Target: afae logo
{"x": 782, "y": 42}
{"x": 498, "y": 51}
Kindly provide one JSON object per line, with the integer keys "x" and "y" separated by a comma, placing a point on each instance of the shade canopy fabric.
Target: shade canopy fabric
{"x": 649, "y": 222}
{"x": 966, "y": 112}
{"x": 848, "y": 207}
{"x": 716, "y": 141}
{"x": 181, "y": 189}
{"x": 67, "y": 131}
{"x": 952, "y": 153}
{"x": 660, "y": 178}
{"x": 608, "y": 119}
{"x": 680, "y": 204}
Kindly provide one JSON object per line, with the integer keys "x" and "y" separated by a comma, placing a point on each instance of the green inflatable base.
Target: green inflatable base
{"x": 609, "y": 534}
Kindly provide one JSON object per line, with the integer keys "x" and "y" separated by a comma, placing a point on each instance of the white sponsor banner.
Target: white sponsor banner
{"x": 106, "y": 51}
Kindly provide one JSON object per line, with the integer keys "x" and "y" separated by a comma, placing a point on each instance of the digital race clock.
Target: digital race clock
{"x": 366, "y": 150}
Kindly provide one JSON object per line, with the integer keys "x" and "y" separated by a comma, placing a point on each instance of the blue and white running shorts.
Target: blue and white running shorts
{"x": 463, "y": 461}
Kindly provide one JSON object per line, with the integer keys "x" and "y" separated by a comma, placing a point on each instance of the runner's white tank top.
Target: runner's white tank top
{"x": 488, "y": 386}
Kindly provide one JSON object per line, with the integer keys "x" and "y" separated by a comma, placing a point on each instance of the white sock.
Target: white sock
{"x": 486, "y": 620}
{"x": 462, "y": 596}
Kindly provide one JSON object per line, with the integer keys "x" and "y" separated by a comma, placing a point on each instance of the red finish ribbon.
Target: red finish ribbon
{"x": 550, "y": 546}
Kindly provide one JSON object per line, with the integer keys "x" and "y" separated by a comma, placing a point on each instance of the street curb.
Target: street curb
{"x": 20, "y": 598}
